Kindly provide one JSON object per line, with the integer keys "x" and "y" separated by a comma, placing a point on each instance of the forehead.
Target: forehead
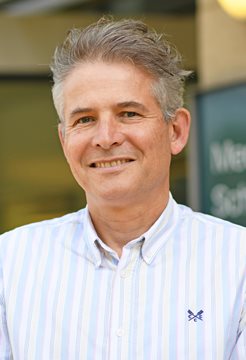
{"x": 99, "y": 82}
{"x": 100, "y": 71}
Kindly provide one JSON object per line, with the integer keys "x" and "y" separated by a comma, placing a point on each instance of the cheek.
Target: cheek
{"x": 74, "y": 147}
{"x": 160, "y": 143}
{"x": 71, "y": 155}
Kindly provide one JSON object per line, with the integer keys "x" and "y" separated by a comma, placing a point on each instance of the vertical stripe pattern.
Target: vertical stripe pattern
{"x": 177, "y": 292}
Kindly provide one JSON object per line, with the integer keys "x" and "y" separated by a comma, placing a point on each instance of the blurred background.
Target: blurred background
{"x": 210, "y": 176}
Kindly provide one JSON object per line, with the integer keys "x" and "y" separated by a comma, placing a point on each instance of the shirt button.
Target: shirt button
{"x": 124, "y": 273}
{"x": 120, "y": 332}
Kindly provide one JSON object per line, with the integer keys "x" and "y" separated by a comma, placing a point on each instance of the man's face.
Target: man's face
{"x": 115, "y": 139}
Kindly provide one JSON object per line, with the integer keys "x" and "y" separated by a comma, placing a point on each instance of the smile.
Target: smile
{"x": 108, "y": 164}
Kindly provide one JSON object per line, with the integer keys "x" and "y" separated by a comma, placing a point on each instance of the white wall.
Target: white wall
{"x": 221, "y": 45}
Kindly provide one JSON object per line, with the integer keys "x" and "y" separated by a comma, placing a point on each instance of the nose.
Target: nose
{"x": 108, "y": 133}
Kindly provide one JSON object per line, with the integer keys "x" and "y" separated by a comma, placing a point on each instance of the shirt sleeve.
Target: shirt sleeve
{"x": 239, "y": 352}
{"x": 5, "y": 348}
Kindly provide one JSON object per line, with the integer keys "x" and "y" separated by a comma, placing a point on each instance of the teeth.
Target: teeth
{"x": 108, "y": 164}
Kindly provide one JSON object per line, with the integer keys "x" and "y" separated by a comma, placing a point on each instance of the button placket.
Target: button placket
{"x": 121, "y": 300}
{"x": 130, "y": 266}
{"x": 120, "y": 332}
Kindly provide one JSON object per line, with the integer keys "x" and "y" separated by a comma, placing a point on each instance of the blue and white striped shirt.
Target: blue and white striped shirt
{"x": 177, "y": 292}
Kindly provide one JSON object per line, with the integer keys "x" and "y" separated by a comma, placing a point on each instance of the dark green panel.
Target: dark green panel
{"x": 222, "y": 152}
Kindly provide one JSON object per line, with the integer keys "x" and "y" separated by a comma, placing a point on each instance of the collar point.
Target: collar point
{"x": 148, "y": 258}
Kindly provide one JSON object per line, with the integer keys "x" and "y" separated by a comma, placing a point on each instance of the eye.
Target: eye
{"x": 84, "y": 120}
{"x": 129, "y": 114}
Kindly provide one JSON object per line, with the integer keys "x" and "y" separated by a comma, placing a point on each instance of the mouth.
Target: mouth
{"x": 109, "y": 164}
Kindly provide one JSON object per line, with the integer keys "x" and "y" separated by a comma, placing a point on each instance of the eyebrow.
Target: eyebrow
{"x": 130, "y": 104}
{"x": 124, "y": 104}
{"x": 79, "y": 110}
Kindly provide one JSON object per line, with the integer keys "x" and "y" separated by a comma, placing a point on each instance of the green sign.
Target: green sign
{"x": 222, "y": 152}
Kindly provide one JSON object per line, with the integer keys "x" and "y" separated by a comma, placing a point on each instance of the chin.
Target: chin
{"x": 113, "y": 196}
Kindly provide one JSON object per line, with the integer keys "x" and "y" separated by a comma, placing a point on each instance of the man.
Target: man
{"x": 134, "y": 275}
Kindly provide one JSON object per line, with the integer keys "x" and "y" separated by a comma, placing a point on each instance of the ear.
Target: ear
{"x": 179, "y": 130}
{"x": 61, "y": 135}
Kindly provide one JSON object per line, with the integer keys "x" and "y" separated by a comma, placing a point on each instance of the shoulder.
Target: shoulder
{"x": 43, "y": 229}
{"x": 204, "y": 224}
{"x": 216, "y": 242}
{"x": 187, "y": 213}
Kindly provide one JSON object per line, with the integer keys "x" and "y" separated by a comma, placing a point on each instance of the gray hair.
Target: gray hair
{"x": 126, "y": 40}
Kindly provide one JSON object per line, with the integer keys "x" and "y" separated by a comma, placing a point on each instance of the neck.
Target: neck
{"x": 117, "y": 225}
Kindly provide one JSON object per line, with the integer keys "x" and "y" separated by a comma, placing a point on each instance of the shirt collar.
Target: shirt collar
{"x": 158, "y": 234}
{"x": 153, "y": 239}
{"x": 91, "y": 238}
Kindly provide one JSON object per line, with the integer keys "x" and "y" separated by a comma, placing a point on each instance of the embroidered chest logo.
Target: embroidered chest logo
{"x": 195, "y": 317}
